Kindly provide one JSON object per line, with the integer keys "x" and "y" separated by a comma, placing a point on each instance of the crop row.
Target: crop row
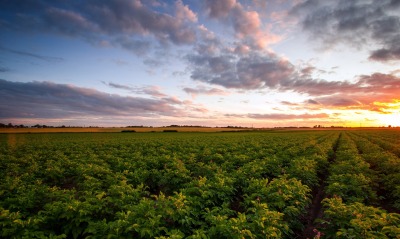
{"x": 387, "y": 167}
{"x": 194, "y": 185}
{"x": 230, "y": 185}
{"x": 352, "y": 185}
{"x": 387, "y": 140}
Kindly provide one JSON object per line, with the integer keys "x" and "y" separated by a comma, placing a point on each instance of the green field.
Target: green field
{"x": 272, "y": 184}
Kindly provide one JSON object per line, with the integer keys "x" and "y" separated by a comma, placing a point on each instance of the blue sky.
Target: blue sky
{"x": 213, "y": 63}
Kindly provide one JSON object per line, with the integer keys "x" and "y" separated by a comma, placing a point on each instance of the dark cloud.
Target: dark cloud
{"x": 308, "y": 70}
{"x": 317, "y": 87}
{"x": 118, "y": 86}
{"x": 252, "y": 71}
{"x": 219, "y": 9}
{"x": 374, "y": 24}
{"x": 67, "y": 22}
{"x": 50, "y": 100}
{"x": 100, "y": 20}
{"x": 385, "y": 54}
{"x": 133, "y": 17}
{"x": 154, "y": 91}
{"x": 313, "y": 102}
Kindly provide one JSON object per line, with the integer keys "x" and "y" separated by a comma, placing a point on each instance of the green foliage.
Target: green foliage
{"x": 183, "y": 185}
{"x": 257, "y": 222}
{"x": 305, "y": 170}
{"x": 351, "y": 187}
{"x": 356, "y": 220}
{"x": 288, "y": 196}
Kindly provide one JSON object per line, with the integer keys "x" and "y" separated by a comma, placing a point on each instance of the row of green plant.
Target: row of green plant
{"x": 386, "y": 165}
{"x": 195, "y": 185}
{"x": 351, "y": 190}
{"x": 189, "y": 185}
{"x": 350, "y": 177}
{"x": 388, "y": 140}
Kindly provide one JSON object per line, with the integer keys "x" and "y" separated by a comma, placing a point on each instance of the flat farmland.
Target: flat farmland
{"x": 253, "y": 184}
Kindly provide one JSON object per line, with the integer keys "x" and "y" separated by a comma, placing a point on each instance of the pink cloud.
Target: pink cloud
{"x": 275, "y": 116}
{"x": 220, "y": 8}
{"x": 184, "y": 13}
{"x": 247, "y": 24}
{"x": 204, "y": 91}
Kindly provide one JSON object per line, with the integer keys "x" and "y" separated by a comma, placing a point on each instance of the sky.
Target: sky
{"x": 250, "y": 63}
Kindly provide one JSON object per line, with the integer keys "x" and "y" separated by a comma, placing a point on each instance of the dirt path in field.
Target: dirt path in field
{"x": 318, "y": 194}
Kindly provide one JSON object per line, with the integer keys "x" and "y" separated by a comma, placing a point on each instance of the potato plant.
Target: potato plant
{"x": 192, "y": 185}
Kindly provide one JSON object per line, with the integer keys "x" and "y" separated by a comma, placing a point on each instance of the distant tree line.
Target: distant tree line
{"x": 195, "y": 126}
{"x": 10, "y": 125}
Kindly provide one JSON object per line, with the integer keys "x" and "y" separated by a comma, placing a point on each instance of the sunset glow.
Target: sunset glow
{"x": 212, "y": 63}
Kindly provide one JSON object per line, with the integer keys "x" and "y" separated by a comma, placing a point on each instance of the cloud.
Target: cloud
{"x": 307, "y": 71}
{"x": 317, "y": 87}
{"x": 338, "y": 101}
{"x": 313, "y": 102}
{"x": 201, "y": 90}
{"x": 183, "y": 12}
{"x": 138, "y": 47}
{"x": 96, "y": 21}
{"x": 373, "y": 24}
{"x": 288, "y": 116}
{"x": 221, "y": 8}
{"x": 67, "y": 22}
{"x": 118, "y": 86}
{"x": 154, "y": 91}
{"x": 275, "y": 116}
{"x": 289, "y": 103}
{"x": 247, "y": 24}
{"x": 252, "y": 71}
{"x": 208, "y": 43}
{"x": 33, "y": 55}
{"x": 50, "y": 100}
{"x": 366, "y": 93}
{"x": 154, "y": 62}
{"x": 385, "y": 54}
{"x": 241, "y": 67}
